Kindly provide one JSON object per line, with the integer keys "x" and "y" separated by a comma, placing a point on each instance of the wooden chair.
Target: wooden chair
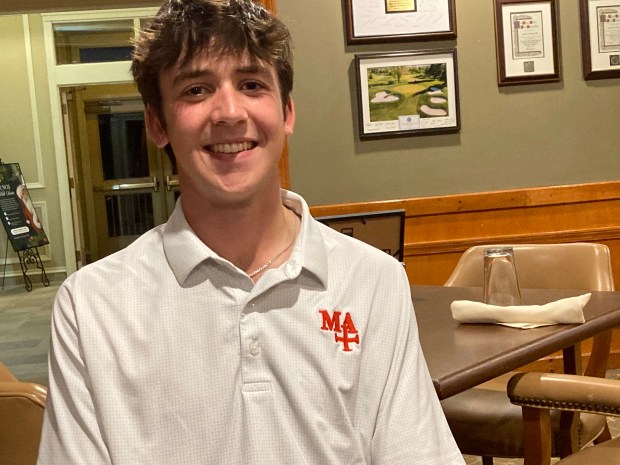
{"x": 536, "y": 393}
{"x": 21, "y": 419}
{"x": 482, "y": 419}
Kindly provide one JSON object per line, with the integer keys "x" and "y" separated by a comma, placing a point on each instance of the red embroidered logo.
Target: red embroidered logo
{"x": 345, "y": 331}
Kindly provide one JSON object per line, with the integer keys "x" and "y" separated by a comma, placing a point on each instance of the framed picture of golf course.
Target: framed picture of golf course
{"x": 407, "y": 93}
{"x": 376, "y": 21}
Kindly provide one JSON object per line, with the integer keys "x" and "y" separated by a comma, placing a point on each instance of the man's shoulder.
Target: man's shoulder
{"x": 144, "y": 253}
{"x": 339, "y": 244}
{"x": 349, "y": 258}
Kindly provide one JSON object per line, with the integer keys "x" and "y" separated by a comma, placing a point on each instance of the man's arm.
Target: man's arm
{"x": 411, "y": 427}
{"x": 71, "y": 434}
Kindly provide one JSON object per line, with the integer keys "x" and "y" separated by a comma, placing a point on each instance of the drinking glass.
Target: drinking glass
{"x": 501, "y": 284}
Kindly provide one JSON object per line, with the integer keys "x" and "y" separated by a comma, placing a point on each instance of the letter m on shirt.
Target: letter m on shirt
{"x": 330, "y": 322}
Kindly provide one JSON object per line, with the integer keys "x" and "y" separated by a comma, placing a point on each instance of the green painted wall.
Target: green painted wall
{"x": 524, "y": 136}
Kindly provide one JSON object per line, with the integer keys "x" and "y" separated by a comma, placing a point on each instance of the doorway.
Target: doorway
{"x": 122, "y": 184}
{"x": 74, "y": 80}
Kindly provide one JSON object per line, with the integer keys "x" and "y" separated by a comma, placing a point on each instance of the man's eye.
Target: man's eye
{"x": 252, "y": 85}
{"x": 196, "y": 90}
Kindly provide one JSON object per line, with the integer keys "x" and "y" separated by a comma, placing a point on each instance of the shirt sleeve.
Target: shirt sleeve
{"x": 71, "y": 434}
{"x": 411, "y": 427}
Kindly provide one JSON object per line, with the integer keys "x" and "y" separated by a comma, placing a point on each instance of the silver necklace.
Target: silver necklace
{"x": 266, "y": 265}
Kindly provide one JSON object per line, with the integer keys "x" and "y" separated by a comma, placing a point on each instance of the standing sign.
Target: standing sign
{"x": 20, "y": 221}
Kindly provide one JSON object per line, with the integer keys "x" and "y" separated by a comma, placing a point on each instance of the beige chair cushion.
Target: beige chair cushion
{"x": 577, "y": 265}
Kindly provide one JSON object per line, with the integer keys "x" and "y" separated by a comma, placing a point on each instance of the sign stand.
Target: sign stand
{"x": 21, "y": 222}
{"x": 29, "y": 257}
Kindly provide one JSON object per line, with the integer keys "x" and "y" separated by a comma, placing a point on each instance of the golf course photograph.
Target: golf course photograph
{"x": 407, "y": 93}
{"x": 394, "y": 91}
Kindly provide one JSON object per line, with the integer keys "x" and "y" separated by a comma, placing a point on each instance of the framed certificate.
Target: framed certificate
{"x": 527, "y": 42}
{"x": 376, "y": 21}
{"x": 407, "y": 93}
{"x": 600, "y": 38}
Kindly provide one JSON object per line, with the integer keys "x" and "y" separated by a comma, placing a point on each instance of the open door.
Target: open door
{"x": 129, "y": 185}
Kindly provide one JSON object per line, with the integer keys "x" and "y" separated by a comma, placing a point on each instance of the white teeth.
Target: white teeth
{"x": 230, "y": 148}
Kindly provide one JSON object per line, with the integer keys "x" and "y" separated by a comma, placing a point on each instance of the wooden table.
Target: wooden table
{"x": 461, "y": 356}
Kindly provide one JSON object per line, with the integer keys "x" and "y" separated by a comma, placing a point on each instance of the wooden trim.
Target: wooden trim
{"x": 484, "y": 201}
{"x": 487, "y": 206}
{"x": 285, "y": 177}
{"x": 270, "y": 5}
{"x": 594, "y": 235}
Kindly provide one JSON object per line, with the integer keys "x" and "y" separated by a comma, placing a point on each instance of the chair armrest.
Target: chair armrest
{"x": 22, "y": 408}
{"x": 5, "y": 374}
{"x": 32, "y": 391}
{"x": 565, "y": 392}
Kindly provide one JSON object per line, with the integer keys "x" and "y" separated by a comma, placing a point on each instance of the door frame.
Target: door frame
{"x": 73, "y": 75}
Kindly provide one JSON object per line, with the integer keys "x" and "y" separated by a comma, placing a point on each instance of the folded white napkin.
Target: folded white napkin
{"x": 566, "y": 311}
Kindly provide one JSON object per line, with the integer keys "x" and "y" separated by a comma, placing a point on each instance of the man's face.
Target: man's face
{"x": 224, "y": 119}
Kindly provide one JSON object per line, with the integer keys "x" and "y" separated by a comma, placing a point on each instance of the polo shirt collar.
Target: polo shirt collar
{"x": 309, "y": 252}
{"x": 185, "y": 251}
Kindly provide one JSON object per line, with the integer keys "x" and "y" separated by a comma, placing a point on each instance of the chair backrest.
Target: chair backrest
{"x": 577, "y": 265}
{"x": 21, "y": 419}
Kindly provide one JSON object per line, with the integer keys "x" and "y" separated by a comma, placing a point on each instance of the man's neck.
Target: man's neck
{"x": 249, "y": 235}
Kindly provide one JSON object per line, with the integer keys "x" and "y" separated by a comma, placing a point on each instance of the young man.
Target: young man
{"x": 242, "y": 331}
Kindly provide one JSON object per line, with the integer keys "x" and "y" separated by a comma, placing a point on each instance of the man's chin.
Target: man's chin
{"x": 232, "y": 196}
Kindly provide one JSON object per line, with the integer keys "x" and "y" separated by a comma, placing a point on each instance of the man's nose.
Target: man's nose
{"x": 228, "y": 107}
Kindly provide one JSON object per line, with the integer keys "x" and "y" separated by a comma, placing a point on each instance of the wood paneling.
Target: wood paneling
{"x": 439, "y": 229}
{"x": 285, "y": 177}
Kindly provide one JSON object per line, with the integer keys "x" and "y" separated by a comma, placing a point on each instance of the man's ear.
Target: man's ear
{"x": 155, "y": 127}
{"x": 289, "y": 117}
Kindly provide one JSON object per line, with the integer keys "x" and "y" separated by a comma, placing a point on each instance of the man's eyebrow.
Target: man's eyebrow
{"x": 206, "y": 72}
{"x": 191, "y": 74}
{"x": 253, "y": 69}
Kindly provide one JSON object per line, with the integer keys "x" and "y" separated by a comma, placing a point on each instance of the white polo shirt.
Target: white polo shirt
{"x": 166, "y": 354}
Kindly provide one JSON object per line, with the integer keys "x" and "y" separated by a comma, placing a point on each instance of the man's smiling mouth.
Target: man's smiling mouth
{"x": 234, "y": 147}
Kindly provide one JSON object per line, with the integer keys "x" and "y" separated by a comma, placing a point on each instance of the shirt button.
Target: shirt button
{"x": 254, "y": 349}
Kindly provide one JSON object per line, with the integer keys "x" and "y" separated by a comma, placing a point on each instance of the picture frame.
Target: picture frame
{"x": 407, "y": 93}
{"x": 379, "y": 21}
{"x": 383, "y": 229}
{"x": 526, "y": 37}
{"x": 600, "y": 38}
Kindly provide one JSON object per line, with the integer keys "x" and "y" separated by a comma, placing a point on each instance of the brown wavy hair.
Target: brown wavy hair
{"x": 183, "y": 29}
